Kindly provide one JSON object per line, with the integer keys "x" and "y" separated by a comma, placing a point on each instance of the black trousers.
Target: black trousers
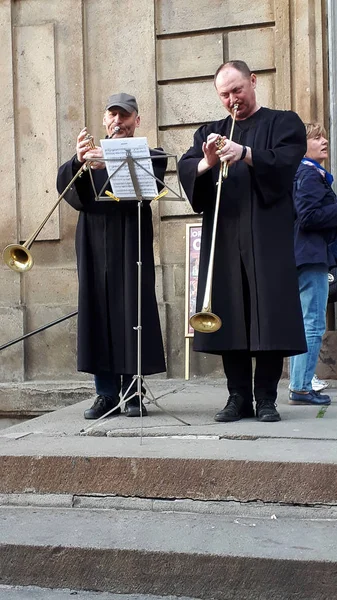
{"x": 109, "y": 384}
{"x": 238, "y": 369}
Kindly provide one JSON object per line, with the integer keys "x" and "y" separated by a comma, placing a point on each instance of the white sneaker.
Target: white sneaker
{"x": 318, "y": 384}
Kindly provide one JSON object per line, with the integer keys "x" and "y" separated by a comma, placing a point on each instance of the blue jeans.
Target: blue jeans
{"x": 110, "y": 384}
{"x": 314, "y": 289}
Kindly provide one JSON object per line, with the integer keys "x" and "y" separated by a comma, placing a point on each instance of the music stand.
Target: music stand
{"x": 130, "y": 161}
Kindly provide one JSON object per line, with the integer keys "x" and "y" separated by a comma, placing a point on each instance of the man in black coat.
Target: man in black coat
{"x": 255, "y": 287}
{"x": 107, "y": 255}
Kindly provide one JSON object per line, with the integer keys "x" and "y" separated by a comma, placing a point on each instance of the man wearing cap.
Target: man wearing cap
{"x": 107, "y": 255}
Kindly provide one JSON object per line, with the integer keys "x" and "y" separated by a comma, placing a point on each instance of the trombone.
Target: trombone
{"x": 18, "y": 256}
{"x": 206, "y": 321}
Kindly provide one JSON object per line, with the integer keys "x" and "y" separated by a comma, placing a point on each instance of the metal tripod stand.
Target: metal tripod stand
{"x": 138, "y": 377}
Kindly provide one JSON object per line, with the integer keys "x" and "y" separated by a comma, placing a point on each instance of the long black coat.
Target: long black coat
{"x": 107, "y": 255}
{"x": 255, "y": 234}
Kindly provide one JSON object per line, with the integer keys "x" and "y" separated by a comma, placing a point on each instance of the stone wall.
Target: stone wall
{"x": 283, "y": 43}
{"x": 59, "y": 61}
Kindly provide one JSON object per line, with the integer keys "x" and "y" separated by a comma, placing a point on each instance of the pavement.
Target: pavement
{"x": 9, "y": 592}
{"x": 293, "y": 461}
{"x": 229, "y": 511}
{"x": 195, "y": 402}
{"x": 292, "y": 536}
{"x": 238, "y": 556}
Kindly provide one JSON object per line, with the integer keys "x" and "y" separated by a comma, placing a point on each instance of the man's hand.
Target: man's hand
{"x": 82, "y": 145}
{"x": 231, "y": 152}
{"x": 93, "y": 153}
{"x": 85, "y": 152}
{"x": 210, "y": 150}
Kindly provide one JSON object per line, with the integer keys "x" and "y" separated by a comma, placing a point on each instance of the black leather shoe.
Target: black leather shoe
{"x": 132, "y": 408}
{"x": 236, "y": 408}
{"x": 266, "y": 411}
{"x": 101, "y": 406}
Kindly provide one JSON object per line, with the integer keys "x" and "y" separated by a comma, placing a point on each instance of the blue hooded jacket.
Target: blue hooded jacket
{"x": 315, "y": 217}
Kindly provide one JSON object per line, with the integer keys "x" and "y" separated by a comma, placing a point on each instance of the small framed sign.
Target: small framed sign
{"x": 193, "y": 241}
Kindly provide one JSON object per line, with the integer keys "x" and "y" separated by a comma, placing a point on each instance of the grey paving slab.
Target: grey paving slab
{"x": 212, "y": 557}
{"x": 300, "y": 438}
{"x": 33, "y": 593}
{"x": 261, "y": 449}
{"x": 234, "y": 535}
{"x": 196, "y": 402}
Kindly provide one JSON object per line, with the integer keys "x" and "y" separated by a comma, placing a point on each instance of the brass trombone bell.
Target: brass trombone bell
{"x": 18, "y": 257}
{"x": 205, "y": 322}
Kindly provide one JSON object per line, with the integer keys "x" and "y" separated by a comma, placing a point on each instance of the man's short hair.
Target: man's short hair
{"x": 239, "y": 65}
{"x": 314, "y": 130}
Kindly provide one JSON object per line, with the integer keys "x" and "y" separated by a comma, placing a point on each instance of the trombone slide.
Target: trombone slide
{"x": 18, "y": 256}
{"x": 206, "y": 321}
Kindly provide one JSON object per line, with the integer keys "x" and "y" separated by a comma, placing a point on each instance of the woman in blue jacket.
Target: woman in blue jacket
{"x": 315, "y": 228}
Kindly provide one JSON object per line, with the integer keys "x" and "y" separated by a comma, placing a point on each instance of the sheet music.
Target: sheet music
{"x": 121, "y": 182}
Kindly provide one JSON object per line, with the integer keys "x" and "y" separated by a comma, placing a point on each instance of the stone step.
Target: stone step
{"x": 293, "y": 461}
{"x": 238, "y": 555}
{"x": 34, "y": 398}
{"x": 269, "y": 470}
{"x": 33, "y": 593}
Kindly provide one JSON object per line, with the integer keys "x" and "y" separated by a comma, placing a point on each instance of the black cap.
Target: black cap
{"x": 129, "y": 103}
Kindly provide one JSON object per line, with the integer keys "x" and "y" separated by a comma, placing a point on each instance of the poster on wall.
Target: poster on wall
{"x": 193, "y": 239}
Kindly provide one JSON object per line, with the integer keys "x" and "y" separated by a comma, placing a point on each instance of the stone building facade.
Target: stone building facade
{"x": 59, "y": 62}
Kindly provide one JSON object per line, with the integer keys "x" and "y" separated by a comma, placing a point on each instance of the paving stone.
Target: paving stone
{"x": 220, "y": 557}
{"x": 34, "y": 593}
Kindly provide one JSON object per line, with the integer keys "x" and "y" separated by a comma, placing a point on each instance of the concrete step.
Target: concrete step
{"x": 293, "y": 461}
{"x": 237, "y": 555}
{"x": 269, "y": 470}
{"x": 33, "y": 593}
{"x": 33, "y": 398}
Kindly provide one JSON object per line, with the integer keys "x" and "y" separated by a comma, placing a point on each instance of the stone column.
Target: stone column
{"x": 11, "y": 310}
{"x": 307, "y": 73}
{"x": 332, "y": 54}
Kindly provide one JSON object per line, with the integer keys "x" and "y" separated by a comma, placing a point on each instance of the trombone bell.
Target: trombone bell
{"x": 18, "y": 258}
{"x": 205, "y": 322}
